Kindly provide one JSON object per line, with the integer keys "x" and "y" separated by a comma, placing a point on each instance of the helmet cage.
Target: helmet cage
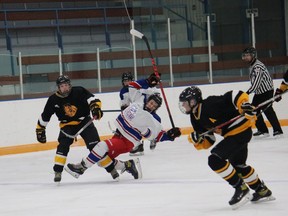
{"x": 63, "y": 79}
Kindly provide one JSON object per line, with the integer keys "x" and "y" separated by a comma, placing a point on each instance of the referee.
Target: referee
{"x": 262, "y": 87}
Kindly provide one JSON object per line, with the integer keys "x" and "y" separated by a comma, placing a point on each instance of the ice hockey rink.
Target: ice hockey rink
{"x": 176, "y": 181}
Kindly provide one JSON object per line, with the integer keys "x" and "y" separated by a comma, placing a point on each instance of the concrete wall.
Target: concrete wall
{"x": 19, "y": 118}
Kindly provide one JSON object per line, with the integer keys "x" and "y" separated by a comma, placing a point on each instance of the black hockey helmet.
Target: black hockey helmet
{"x": 192, "y": 92}
{"x": 250, "y": 50}
{"x": 192, "y": 95}
{"x": 155, "y": 97}
{"x": 63, "y": 79}
{"x": 127, "y": 76}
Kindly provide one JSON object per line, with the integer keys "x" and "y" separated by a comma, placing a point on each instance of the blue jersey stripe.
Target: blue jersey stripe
{"x": 128, "y": 129}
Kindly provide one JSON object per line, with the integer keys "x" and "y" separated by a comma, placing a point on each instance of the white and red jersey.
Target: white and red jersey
{"x": 134, "y": 123}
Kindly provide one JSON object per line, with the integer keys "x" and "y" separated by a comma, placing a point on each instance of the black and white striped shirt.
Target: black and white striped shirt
{"x": 260, "y": 78}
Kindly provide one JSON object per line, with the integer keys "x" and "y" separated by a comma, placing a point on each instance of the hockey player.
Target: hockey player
{"x": 125, "y": 101}
{"x": 127, "y": 77}
{"x": 145, "y": 87}
{"x": 283, "y": 87}
{"x": 132, "y": 125}
{"x": 72, "y": 106}
{"x": 228, "y": 157}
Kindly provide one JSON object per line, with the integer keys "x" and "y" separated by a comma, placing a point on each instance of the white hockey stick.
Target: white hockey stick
{"x": 143, "y": 37}
{"x": 109, "y": 125}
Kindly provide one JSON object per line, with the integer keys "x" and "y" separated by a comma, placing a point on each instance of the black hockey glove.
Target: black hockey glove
{"x": 95, "y": 107}
{"x": 249, "y": 111}
{"x": 41, "y": 134}
{"x": 278, "y": 92}
{"x": 173, "y": 133}
{"x": 153, "y": 80}
{"x": 204, "y": 141}
{"x": 123, "y": 107}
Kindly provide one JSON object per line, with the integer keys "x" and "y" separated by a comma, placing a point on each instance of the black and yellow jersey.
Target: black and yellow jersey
{"x": 216, "y": 110}
{"x": 70, "y": 110}
{"x": 284, "y": 83}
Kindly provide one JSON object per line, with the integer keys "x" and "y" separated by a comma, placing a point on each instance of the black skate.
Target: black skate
{"x": 133, "y": 167}
{"x": 260, "y": 134}
{"x": 278, "y": 134}
{"x": 57, "y": 177}
{"x": 115, "y": 174}
{"x": 76, "y": 169}
{"x": 137, "y": 151}
{"x": 153, "y": 144}
{"x": 262, "y": 194}
{"x": 240, "y": 197}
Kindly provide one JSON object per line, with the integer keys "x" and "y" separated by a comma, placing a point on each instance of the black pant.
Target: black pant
{"x": 90, "y": 136}
{"x": 234, "y": 148}
{"x": 268, "y": 111}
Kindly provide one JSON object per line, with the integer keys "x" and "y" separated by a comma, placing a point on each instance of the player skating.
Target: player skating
{"x": 72, "y": 106}
{"x": 228, "y": 157}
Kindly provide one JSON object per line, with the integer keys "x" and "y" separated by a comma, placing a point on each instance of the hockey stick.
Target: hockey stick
{"x": 143, "y": 37}
{"x": 80, "y": 131}
{"x": 109, "y": 125}
{"x": 271, "y": 100}
{"x": 85, "y": 126}
{"x": 111, "y": 110}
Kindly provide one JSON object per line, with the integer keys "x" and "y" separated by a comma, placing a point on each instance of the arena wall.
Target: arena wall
{"x": 19, "y": 117}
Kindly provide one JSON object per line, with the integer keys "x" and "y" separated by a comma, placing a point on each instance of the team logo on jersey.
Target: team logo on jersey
{"x": 70, "y": 110}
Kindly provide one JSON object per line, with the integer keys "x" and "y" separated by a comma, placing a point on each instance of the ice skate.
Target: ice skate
{"x": 153, "y": 144}
{"x": 260, "y": 135}
{"x": 115, "y": 174}
{"x": 262, "y": 194}
{"x": 240, "y": 197}
{"x": 278, "y": 134}
{"x": 137, "y": 151}
{"x": 76, "y": 169}
{"x": 133, "y": 167}
{"x": 57, "y": 177}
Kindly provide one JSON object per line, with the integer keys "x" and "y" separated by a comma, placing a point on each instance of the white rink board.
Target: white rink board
{"x": 20, "y": 117}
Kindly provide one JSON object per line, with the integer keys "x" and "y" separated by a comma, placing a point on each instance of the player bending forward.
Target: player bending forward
{"x": 283, "y": 87}
{"x": 131, "y": 125}
{"x": 228, "y": 157}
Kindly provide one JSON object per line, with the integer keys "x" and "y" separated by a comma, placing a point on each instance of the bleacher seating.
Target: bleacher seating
{"x": 38, "y": 28}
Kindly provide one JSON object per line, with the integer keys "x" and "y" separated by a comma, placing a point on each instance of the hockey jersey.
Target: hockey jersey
{"x": 128, "y": 94}
{"x": 134, "y": 123}
{"x": 70, "y": 110}
{"x": 216, "y": 110}
{"x": 284, "y": 83}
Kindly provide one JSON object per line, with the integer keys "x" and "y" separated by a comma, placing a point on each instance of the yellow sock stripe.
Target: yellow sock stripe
{"x": 105, "y": 162}
{"x": 226, "y": 172}
{"x": 60, "y": 160}
{"x": 249, "y": 174}
{"x": 230, "y": 176}
{"x": 251, "y": 178}
{"x": 252, "y": 182}
{"x": 223, "y": 169}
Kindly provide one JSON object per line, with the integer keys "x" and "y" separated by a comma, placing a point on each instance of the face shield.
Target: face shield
{"x": 184, "y": 107}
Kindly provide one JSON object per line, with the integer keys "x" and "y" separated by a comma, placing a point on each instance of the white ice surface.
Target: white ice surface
{"x": 176, "y": 181}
